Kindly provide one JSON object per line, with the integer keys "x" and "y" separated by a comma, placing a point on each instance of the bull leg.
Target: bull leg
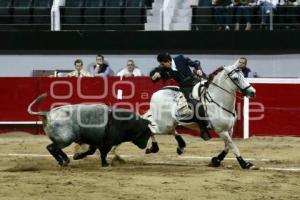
{"x": 181, "y": 143}
{"x": 90, "y": 151}
{"x": 154, "y": 148}
{"x": 103, "y": 154}
{"x": 58, "y": 154}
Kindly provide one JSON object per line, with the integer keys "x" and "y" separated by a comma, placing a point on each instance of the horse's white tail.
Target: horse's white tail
{"x": 37, "y": 100}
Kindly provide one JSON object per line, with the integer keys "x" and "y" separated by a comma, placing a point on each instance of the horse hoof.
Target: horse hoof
{"x": 250, "y": 166}
{"x": 179, "y": 150}
{"x": 215, "y": 162}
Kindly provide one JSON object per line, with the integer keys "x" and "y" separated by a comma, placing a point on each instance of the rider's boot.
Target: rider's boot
{"x": 203, "y": 124}
{"x": 204, "y": 132}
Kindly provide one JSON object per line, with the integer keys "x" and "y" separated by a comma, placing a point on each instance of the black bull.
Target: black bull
{"x": 97, "y": 125}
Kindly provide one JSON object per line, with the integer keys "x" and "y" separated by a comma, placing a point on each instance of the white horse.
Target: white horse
{"x": 218, "y": 97}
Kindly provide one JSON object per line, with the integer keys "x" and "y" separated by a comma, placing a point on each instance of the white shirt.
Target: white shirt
{"x": 173, "y": 65}
{"x": 81, "y": 73}
{"x": 136, "y": 72}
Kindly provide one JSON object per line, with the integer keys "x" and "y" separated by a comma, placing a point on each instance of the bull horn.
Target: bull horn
{"x": 37, "y": 100}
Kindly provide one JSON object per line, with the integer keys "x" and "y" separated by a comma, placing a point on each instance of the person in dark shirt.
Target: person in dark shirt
{"x": 101, "y": 68}
{"x": 185, "y": 72}
{"x": 243, "y": 65}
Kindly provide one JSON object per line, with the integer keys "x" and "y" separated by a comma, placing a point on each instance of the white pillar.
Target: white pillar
{"x": 55, "y": 14}
{"x": 246, "y": 118}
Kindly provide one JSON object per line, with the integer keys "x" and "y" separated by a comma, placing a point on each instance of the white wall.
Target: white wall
{"x": 264, "y": 65}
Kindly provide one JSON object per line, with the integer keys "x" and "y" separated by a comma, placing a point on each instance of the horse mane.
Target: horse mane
{"x": 214, "y": 73}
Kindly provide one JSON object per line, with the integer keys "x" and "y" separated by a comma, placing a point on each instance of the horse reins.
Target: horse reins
{"x": 211, "y": 100}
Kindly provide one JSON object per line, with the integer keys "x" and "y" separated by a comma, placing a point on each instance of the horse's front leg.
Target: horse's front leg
{"x": 154, "y": 147}
{"x": 231, "y": 146}
{"x": 181, "y": 143}
{"x": 216, "y": 161}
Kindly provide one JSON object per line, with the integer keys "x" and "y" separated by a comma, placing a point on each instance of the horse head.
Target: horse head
{"x": 238, "y": 81}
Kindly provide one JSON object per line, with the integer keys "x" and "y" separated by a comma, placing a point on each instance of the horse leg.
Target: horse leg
{"x": 231, "y": 146}
{"x": 81, "y": 155}
{"x": 216, "y": 161}
{"x": 154, "y": 147}
{"x": 181, "y": 143}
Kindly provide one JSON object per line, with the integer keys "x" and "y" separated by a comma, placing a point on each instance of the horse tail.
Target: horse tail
{"x": 37, "y": 100}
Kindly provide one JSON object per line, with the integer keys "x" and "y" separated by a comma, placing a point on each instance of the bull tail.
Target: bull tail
{"x": 37, "y": 100}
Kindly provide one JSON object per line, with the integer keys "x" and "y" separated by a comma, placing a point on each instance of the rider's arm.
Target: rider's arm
{"x": 196, "y": 65}
{"x": 158, "y": 73}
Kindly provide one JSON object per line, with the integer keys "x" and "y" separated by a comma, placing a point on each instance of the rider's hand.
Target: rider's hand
{"x": 156, "y": 76}
{"x": 199, "y": 73}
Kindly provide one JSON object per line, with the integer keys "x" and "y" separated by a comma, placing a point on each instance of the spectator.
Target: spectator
{"x": 223, "y": 13}
{"x": 130, "y": 71}
{"x": 179, "y": 69}
{"x": 244, "y": 9}
{"x": 266, "y": 7}
{"x": 101, "y": 68}
{"x": 243, "y": 65}
{"x": 79, "y": 71}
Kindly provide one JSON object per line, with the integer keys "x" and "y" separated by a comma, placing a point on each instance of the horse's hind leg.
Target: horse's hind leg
{"x": 154, "y": 146}
{"x": 81, "y": 155}
{"x": 181, "y": 143}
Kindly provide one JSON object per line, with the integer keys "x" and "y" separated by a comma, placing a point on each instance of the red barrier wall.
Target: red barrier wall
{"x": 281, "y": 110}
{"x": 281, "y": 102}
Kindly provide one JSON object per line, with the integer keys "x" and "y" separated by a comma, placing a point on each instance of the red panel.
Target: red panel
{"x": 16, "y": 94}
{"x": 281, "y": 102}
{"x": 281, "y": 110}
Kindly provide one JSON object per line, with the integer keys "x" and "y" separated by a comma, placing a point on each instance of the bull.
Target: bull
{"x": 98, "y": 125}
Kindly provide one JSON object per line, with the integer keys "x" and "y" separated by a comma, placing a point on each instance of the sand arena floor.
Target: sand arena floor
{"x": 28, "y": 172}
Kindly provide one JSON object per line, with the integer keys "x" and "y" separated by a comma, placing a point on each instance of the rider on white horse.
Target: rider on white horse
{"x": 179, "y": 69}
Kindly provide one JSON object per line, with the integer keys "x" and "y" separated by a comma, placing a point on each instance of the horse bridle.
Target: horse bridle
{"x": 243, "y": 90}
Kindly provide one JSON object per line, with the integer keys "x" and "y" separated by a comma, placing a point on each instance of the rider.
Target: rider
{"x": 179, "y": 69}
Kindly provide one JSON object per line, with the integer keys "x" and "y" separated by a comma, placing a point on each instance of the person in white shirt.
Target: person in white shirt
{"x": 79, "y": 71}
{"x": 130, "y": 70}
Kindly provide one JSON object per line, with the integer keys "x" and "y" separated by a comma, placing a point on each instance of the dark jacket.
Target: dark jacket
{"x": 183, "y": 76}
{"x": 246, "y": 72}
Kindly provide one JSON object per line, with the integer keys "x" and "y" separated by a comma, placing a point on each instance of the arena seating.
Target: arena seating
{"x": 5, "y": 12}
{"x": 284, "y": 16}
{"x": 75, "y": 15}
{"x": 93, "y": 12}
{"x": 25, "y": 14}
{"x": 41, "y": 14}
{"x": 104, "y": 14}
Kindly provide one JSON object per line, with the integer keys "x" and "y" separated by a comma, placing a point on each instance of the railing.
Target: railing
{"x": 204, "y": 18}
{"x": 230, "y": 18}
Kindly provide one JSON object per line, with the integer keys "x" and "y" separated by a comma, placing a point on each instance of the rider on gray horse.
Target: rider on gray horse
{"x": 178, "y": 68}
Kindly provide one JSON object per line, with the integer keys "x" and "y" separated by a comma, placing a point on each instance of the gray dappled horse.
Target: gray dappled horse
{"x": 218, "y": 97}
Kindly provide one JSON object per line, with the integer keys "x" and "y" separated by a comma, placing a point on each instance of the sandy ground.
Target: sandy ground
{"x": 164, "y": 175}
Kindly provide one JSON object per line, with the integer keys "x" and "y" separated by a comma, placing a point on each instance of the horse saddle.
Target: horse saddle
{"x": 182, "y": 111}
{"x": 199, "y": 89}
